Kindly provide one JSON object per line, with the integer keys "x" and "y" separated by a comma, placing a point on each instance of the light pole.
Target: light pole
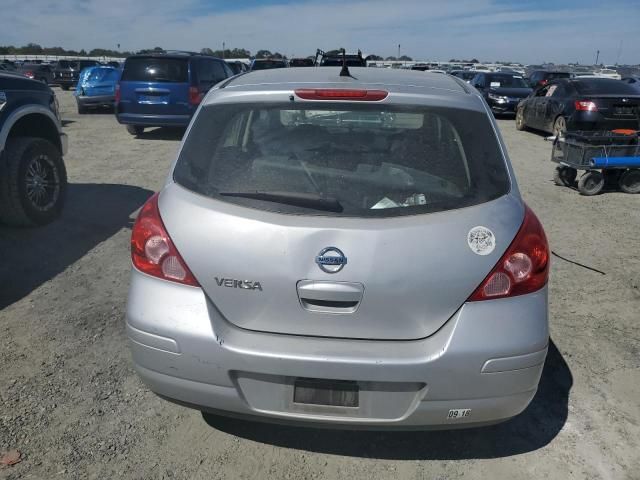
{"x": 597, "y": 56}
{"x": 398, "y": 52}
{"x": 223, "y": 50}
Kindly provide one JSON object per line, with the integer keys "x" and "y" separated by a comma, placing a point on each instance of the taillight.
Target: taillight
{"x": 117, "y": 94}
{"x": 341, "y": 94}
{"x": 542, "y": 83}
{"x": 28, "y": 74}
{"x": 152, "y": 250}
{"x": 586, "y": 106}
{"x": 524, "y": 268}
{"x": 195, "y": 97}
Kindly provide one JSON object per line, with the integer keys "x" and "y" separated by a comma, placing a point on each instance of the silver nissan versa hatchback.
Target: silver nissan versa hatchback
{"x": 341, "y": 250}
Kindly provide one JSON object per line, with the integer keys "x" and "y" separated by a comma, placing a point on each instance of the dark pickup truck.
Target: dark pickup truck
{"x": 33, "y": 178}
{"x": 66, "y": 72}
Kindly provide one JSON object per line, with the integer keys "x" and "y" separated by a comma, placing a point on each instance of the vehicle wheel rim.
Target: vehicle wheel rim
{"x": 42, "y": 183}
{"x": 519, "y": 117}
{"x": 560, "y": 126}
{"x": 631, "y": 181}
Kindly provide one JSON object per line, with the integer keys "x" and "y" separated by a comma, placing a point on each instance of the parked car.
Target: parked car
{"x": 33, "y": 178}
{"x": 165, "y": 89}
{"x": 37, "y": 71}
{"x": 502, "y": 91}
{"x": 466, "y": 75}
{"x": 301, "y": 62}
{"x": 607, "y": 73}
{"x": 96, "y": 88}
{"x": 580, "y": 104}
{"x": 237, "y": 66}
{"x": 261, "y": 283}
{"x": 267, "y": 64}
{"x": 66, "y": 72}
{"x": 540, "y": 78}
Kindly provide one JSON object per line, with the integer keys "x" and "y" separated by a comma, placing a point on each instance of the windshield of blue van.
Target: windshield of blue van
{"x": 156, "y": 69}
{"x": 352, "y": 160}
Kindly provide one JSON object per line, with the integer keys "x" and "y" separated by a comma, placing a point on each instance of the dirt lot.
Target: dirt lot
{"x": 72, "y": 404}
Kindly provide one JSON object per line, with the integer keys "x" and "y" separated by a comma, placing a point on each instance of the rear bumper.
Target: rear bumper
{"x": 487, "y": 358}
{"x": 96, "y": 101}
{"x": 153, "y": 120}
{"x": 597, "y": 121}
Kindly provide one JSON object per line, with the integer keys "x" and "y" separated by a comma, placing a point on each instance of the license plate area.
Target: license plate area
{"x": 153, "y": 99}
{"x": 329, "y": 393}
{"x": 625, "y": 109}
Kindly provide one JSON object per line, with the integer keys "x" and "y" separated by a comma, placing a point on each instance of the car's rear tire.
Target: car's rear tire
{"x": 591, "y": 183}
{"x": 629, "y": 181}
{"x": 565, "y": 176}
{"x": 33, "y": 182}
{"x": 135, "y": 130}
{"x": 520, "y": 123}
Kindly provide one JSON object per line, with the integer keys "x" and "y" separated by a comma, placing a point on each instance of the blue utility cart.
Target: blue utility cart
{"x": 608, "y": 159}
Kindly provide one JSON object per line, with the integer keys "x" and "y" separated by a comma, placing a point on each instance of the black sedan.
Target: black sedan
{"x": 502, "y": 91}
{"x": 580, "y": 104}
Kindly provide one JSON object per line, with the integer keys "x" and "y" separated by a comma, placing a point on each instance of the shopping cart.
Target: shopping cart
{"x": 608, "y": 158}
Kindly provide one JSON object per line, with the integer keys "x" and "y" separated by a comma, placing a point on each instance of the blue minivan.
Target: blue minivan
{"x": 164, "y": 89}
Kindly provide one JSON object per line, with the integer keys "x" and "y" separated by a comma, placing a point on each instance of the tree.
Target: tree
{"x": 263, "y": 54}
{"x": 392, "y": 59}
{"x": 404, "y": 58}
{"x": 207, "y": 51}
{"x": 375, "y": 58}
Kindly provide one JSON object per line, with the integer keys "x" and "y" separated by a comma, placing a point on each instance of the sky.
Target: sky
{"x": 527, "y": 31}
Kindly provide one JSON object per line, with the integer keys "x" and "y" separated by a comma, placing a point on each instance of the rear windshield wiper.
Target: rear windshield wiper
{"x": 305, "y": 200}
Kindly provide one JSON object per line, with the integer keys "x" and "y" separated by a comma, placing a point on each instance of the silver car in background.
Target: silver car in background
{"x": 342, "y": 250}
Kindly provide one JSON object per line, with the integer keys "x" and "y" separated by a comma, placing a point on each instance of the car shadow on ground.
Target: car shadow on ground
{"x": 163, "y": 133}
{"x": 536, "y": 427}
{"x": 93, "y": 212}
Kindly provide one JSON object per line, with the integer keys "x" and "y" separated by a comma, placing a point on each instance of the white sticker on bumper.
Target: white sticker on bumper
{"x": 458, "y": 413}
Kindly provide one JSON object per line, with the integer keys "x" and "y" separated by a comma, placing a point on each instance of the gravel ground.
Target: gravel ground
{"x": 72, "y": 404}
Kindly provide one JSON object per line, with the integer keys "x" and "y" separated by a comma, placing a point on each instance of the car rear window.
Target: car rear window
{"x": 370, "y": 160}
{"x": 64, "y": 64}
{"x": 173, "y": 70}
{"x": 600, "y": 86}
{"x": 552, "y": 75}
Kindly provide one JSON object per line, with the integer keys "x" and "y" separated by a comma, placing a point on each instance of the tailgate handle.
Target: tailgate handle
{"x": 153, "y": 91}
{"x": 330, "y": 297}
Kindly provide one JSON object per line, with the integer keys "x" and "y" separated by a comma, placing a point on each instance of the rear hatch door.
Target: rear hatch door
{"x": 340, "y": 220}
{"x": 155, "y": 85}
